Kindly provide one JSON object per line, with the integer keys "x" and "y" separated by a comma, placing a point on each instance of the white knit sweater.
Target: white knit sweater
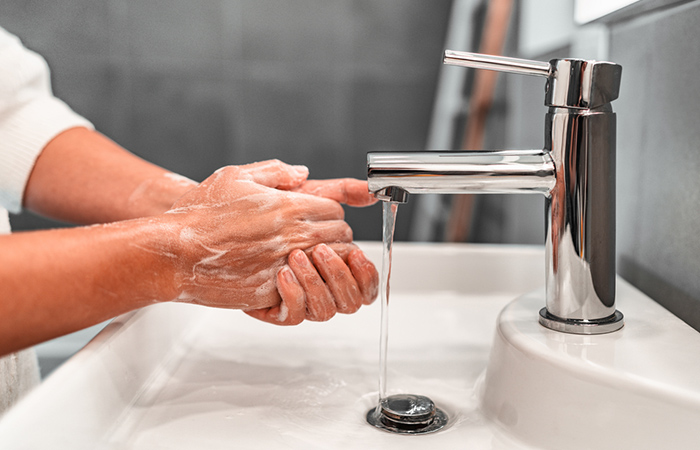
{"x": 30, "y": 116}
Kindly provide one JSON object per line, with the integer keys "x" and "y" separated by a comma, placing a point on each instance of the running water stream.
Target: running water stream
{"x": 401, "y": 413}
{"x": 388, "y": 225}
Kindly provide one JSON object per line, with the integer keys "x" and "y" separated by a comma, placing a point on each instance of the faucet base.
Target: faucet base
{"x": 573, "y": 326}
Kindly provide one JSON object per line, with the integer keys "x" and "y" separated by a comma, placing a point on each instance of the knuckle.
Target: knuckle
{"x": 348, "y": 308}
{"x": 333, "y": 208}
{"x": 347, "y": 232}
{"x": 370, "y": 297}
{"x": 338, "y": 209}
{"x": 353, "y": 307}
{"x": 295, "y": 320}
{"x": 277, "y": 164}
{"x": 340, "y": 232}
{"x": 316, "y": 282}
{"x": 326, "y": 317}
{"x": 227, "y": 170}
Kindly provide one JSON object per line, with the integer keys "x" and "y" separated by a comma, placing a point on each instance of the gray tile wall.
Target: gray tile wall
{"x": 658, "y": 159}
{"x": 193, "y": 86}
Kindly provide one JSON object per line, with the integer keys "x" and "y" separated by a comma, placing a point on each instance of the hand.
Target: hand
{"x": 351, "y": 279}
{"x": 235, "y": 234}
{"x": 305, "y": 294}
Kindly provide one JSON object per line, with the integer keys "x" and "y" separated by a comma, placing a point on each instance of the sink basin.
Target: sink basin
{"x": 180, "y": 376}
{"x": 637, "y": 388}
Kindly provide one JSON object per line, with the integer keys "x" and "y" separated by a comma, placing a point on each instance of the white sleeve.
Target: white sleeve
{"x": 30, "y": 116}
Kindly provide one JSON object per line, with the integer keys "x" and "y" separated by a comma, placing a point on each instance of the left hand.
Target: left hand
{"x": 316, "y": 291}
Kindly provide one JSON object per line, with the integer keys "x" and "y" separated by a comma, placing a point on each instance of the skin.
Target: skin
{"x": 260, "y": 237}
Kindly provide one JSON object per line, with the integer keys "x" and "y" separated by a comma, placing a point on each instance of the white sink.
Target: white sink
{"x": 185, "y": 377}
{"x": 637, "y": 388}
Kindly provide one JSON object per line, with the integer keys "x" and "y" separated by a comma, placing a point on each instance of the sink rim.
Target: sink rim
{"x": 537, "y": 379}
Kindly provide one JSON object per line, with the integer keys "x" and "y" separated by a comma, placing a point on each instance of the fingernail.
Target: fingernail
{"x": 299, "y": 257}
{"x": 287, "y": 275}
{"x": 324, "y": 252}
{"x": 301, "y": 170}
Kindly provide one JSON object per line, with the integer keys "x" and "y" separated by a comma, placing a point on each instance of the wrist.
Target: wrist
{"x": 158, "y": 255}
{"x": 157, "y": 194}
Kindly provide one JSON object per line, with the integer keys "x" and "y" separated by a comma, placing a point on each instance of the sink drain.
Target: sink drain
{"x": 407, "y": 414}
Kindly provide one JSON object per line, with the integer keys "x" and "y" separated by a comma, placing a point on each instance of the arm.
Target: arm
{"x": 58, "y": 281}
{"x": 52, "y": 161}
{"x": 55, "y": 282}
{"x": 83, "y": 177}
{"x": 224, "y": 244}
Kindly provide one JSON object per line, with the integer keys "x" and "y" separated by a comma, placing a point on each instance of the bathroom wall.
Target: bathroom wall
{"x": 658, "y": 146}
{"x": 658, "y": 161}
{"x": 196, "y": 85}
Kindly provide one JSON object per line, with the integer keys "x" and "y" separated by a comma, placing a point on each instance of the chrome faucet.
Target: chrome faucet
{"x": 575, "y": 171}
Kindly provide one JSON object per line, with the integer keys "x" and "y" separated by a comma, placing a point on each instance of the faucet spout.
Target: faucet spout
{"x": 472, "y": 172}
{"x": 575, "y": 171}
{"x": 392, "y": 194}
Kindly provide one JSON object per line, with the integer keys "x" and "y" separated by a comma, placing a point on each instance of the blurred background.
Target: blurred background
{"x": 193, "y": 86}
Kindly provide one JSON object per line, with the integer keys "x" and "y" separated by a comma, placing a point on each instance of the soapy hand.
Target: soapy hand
{"x": 350, "y": 191}
{"x": 243, "y": 235}
{"x": 276, "y": 174}
{"x": 316, "y": 287}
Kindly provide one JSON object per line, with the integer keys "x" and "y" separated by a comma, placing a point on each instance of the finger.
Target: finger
{"x": 342, "y": 249}
{"x": 292, "y": 309}
{"x": 350, "y": 191}
{"x": 366, "y": 275}
{"x": 293, "y": 297}
{"x": 314, "y": 233}
{"x": 319, "y": 300}
{"x": 339, "y": 279}
{"x": 275, "y": 174}
{"x": 317, "y": 208}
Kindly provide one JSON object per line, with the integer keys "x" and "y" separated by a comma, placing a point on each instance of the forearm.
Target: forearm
{"x": 59, "y": 281}
{"x": 225, "y": 243}
{"x": 83, "y": 177}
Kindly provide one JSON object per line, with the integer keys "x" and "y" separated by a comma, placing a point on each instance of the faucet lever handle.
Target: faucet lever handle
{"x": 499, "y": 63}
{"x": 571, "y": 83}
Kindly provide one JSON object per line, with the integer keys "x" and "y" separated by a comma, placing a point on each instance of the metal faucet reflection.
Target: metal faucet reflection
{"x": 575, "y": 171}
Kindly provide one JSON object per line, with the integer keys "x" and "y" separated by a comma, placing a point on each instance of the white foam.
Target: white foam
{"x": 179, "y": 179}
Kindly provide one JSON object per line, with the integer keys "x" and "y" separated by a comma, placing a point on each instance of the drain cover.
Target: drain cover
{"x": 407, "y": 414}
